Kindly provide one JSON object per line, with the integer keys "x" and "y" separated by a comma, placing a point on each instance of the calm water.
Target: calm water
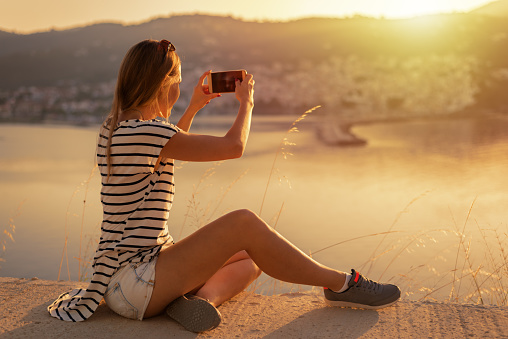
{"x": 415, "y": 179}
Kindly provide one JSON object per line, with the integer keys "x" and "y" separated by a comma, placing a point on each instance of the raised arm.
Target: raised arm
{"x": 197, "y": 147}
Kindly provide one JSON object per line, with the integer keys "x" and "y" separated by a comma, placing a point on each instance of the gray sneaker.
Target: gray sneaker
{"x": 194, "y": 313}
{"x": 363, "y": 293}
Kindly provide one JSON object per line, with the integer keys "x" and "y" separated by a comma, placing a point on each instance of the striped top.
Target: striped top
{"x": 136, "y": 200}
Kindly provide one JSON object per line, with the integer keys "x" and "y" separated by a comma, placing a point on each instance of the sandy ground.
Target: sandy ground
{"x": 297, "y": 315}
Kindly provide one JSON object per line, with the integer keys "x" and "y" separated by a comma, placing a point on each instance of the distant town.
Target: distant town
{"x": 67, "y": 102}
{"x": 70, "y": 103}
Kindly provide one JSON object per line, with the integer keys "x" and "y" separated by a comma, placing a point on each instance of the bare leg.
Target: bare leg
{"x": 234, "y": 277}
{"x": 194, "y": 260}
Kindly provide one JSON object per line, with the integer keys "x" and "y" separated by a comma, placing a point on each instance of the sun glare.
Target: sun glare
{"x": 407, "y": 8}
{"x": 390, "y": 9}
{"x": 13, "y": 14}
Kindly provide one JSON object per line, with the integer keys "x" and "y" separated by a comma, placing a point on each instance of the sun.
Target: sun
{"x": 390, "y": 9}
{"x": 412, "y": 8}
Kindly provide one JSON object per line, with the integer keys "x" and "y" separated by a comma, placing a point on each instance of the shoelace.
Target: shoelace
{"x": 368, "y": 284}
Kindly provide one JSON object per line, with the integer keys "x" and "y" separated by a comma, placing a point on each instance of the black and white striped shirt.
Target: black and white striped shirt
{"x": 136, "y": 200}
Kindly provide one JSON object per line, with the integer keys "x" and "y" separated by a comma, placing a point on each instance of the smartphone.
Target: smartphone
{"x": 224, "y": 82}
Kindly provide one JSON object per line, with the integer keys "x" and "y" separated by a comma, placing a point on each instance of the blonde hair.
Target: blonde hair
{"x": 147, "y": 69}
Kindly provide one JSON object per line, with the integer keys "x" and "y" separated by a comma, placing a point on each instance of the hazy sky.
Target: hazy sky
{"x": 25, "y": 16}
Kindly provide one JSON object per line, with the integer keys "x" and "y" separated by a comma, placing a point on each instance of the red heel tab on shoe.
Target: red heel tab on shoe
{"x": 356, "y": 277}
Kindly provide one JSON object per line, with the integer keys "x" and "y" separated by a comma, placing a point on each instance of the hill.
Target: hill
{"x": 368, "y": 67}
{"x": 497, "y": 8}
{"x": 93, "y": 53}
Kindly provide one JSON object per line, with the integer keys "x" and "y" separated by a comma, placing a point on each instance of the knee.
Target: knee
{"x": 245, "y": 217}
{"x": 247, "y": 223}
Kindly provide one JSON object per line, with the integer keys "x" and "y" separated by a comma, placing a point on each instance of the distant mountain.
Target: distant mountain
{"x": 497, "y": 8}
{"x": 93, "y": 53}
{"x": 296, "y": 53}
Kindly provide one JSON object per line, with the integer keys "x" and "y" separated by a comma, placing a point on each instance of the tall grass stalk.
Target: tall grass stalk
{"x": 277, "y": 216}
{"x": 504, "y": 258}
{"x": 441, "y": 287}
{"x": 66, "y": 238}
{"x": 491, "y": 259}
{"x": 282, "y": 150}
{"x": 466, "y": 252}
{"x": 497, "y": 269}
{"x": 399, "y": 215}
{"x": 224, "y": 193}
{"x": 65, "y": 254}
{"x": 404, "y": 248}
{"x": 353, "y": 239}
{"x": 87, "y": 182}
{"x": 86, "y": 260}
{"x": 10, "y": 230}
{"x": 202, "y": 216}
{"x": 193, "y": 204}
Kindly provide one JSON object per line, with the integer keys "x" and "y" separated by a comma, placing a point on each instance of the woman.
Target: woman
{"x": 138, "y": 269}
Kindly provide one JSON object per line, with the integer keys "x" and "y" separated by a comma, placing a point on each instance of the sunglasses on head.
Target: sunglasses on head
{"x": 166, "y": 45}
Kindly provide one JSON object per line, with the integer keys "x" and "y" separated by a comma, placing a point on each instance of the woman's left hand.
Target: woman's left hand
{"x": 201, "y": 95}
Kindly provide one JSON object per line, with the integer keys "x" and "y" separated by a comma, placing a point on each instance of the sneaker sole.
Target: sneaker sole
{"x": 195, "y": 315}
{"x": 355, "y": 305}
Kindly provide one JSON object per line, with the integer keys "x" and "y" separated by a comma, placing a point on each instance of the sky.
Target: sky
{"x": 28, "y": 16}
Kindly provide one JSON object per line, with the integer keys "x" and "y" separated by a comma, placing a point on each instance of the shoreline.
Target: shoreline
{"x": 292, "y": 315}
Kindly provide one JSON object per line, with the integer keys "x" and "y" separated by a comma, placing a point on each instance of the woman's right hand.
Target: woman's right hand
{"x": 244, "y": 90}
{"x": 201, "y": 94}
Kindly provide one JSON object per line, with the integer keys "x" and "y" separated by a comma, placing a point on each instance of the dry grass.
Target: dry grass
{"x": 83, "y": 262}
{"x": 198, "y": 215}
{"x": 482, "y": 280}
{"x": 451, "y": 274}
{"x": 283, "y": 150}
{"x": 8, "y": 234}
{"x": 465, "y": 282}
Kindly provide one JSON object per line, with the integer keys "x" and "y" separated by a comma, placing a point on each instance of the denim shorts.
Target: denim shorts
{"x": 130, "y": 289}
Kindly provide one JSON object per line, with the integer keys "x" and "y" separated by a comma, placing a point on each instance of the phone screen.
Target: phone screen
{"x": 225, "y": 81}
